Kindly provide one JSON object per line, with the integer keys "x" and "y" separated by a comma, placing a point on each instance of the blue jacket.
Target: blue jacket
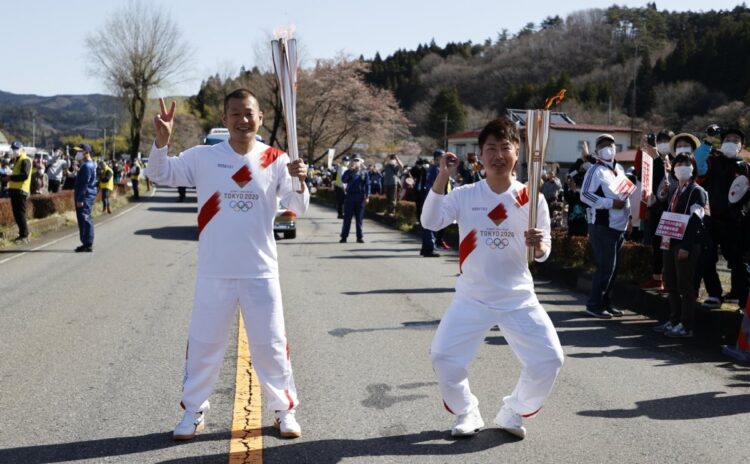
{"x": 357, "y": 182}
{"x": 85, "y": 188}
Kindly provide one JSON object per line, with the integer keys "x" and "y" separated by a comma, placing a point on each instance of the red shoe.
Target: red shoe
{"x": 653, "y": 284}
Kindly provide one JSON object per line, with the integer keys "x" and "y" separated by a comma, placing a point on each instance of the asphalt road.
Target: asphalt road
{"x": 92, "y": 349}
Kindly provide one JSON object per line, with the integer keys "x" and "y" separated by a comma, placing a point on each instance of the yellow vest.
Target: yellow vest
{"x": 25, "y": 184}
{"x": 110, "y": 184}
{"x": 136, "y": 176}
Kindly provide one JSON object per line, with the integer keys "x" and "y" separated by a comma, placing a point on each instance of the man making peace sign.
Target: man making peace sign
{"x": 238, "y": 183}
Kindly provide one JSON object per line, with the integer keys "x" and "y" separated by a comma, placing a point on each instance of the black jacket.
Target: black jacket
{"x": 693, "y": 195}
{"x": 721, "y": 173}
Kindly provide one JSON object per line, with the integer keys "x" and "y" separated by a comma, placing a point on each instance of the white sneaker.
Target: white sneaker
{"x": 191, "y": 424}
{"x": 511, "y": 422}
{"x": 468, "y": 424}
{"x": 287, "y": 424}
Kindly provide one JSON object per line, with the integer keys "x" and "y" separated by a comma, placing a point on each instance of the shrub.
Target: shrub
{"x": 47, "y": 205}
{"x": 575, "y": 252}
{"x": 6, "y": 213}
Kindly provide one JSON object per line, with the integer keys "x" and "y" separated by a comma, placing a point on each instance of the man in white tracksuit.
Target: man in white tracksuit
{"x": 495, "y": 286}
{"x": 238, "y": 183}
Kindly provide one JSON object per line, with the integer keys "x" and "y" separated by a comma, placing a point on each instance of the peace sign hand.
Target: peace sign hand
{"x": 163, "y": 124}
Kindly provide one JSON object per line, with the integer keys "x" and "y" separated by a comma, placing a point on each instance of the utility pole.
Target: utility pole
{"x": 33, "y": 129}
{"x": 445, "y": 131}
{"x": 114, "y": 137}
{"x": 633, "y": 105}
{"x": 104, "y": 145}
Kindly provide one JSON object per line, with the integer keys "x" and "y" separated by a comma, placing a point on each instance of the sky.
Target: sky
{"x": 43, "y": 45}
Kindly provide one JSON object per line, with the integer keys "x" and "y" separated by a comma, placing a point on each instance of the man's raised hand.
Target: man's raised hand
{"x": 449, "y": 162}
{"x": 163, "y": 124}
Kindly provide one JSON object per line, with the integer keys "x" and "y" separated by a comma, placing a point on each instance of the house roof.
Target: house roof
{"x": 569, "y": 127}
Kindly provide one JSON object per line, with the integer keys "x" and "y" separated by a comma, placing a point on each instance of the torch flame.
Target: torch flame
{"x": 558, "y": 98}
{"x": 284, "y": 32}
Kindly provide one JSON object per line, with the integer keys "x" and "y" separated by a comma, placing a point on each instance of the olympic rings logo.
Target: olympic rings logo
{"x": 497, "y": 243}
{"x": 241, "y": 205}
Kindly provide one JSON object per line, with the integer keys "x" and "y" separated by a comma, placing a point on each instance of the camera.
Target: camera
{"x": 651, "y": 139}
{"x": 713, "y": 130}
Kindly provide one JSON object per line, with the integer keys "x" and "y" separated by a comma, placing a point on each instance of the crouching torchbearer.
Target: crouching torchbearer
{"x": 238, "y": 183}
{"x": 495, "y": 286}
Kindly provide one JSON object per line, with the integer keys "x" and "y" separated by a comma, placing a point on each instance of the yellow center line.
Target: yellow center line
{"x": 246, "y": 444}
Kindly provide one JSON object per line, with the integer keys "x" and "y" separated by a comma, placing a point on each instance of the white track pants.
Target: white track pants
{"x": 530, "y": 334}
{"x": 214, "y": 310}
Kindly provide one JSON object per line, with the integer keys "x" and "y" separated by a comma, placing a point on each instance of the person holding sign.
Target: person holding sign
{"x": 681, "y": 228}
{"x": 607, "y": 191}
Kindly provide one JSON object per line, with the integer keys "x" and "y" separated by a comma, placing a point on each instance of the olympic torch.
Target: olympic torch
{"x": 537, "y": 138}
{"x": 284, "y": 52}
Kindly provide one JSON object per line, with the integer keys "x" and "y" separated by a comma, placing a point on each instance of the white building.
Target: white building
{"x": 565, "y": 143}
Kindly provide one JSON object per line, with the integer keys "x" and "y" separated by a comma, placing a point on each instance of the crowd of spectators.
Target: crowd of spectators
{"x": 699, "y": 181}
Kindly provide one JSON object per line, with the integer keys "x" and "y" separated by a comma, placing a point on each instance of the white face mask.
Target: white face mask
{"x": 681, "y": 150}
{"x": 79, "y": 156}
{"x": 15, "y": 153}
{"x": 606, "y": 153}
{"x": 392, "y": 162}
{"x": 730, "y": 149}
{"x": 683, "y": 173}
{"x": 663, "y": 148}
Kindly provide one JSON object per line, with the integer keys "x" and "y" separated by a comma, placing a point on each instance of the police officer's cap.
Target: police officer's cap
{"x": 83, "y": 147}
{"x": 17, "y": 145}
{"x": 438, "y": 153}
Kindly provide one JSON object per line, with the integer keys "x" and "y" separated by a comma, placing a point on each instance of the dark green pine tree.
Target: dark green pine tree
{"x": 645, "y": 83}
{"x": 446, "y": 104}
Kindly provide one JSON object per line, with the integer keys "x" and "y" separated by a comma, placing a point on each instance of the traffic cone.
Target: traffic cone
{"x": 741, "y": 352}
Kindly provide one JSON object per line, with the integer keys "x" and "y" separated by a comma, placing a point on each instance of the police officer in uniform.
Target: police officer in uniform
{"x": 19, "y": 187}
{"x": 357, "y": 182}
{"x": 85, "y": 194}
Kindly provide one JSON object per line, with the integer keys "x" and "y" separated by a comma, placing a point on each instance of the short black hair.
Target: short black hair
{"x": 501, "y": 128}
{"x": 240, "y": 94}
{"x": 681, "y": 158}
{"x": 664, "y": 134}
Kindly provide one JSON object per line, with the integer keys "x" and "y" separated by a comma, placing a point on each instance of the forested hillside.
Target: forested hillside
{"x": 643, "y": 66}
{"x": 689, "y": 68}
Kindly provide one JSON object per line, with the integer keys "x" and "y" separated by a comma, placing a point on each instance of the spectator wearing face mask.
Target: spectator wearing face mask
{"x": 339, "y": 187}
{"x": 606, "y": 191}
{"x": 391, "y": 172}
{"x": 5, "y": 172}
{"x": 681, "y": 255}
{"x": 39, "y": 179}
{"x": 470, "y": 170}
{"x": 662, "y": 156}
{"x": 725, "y": 221}
{"x": 19, "y": 188}
{"x": 56, "y": 170}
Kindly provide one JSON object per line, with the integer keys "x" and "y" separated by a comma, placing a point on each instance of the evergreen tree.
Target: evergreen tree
{"x": 446, "y": 104}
